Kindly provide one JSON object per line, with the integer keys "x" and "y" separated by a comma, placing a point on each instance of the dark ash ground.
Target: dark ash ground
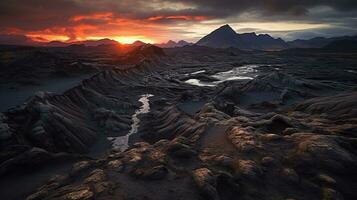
{"x": 283, "y": 127}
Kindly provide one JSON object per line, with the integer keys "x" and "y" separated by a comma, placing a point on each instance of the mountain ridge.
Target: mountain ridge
{"x": 225, "y": 37}
{"x": 318, "y": 42}
{"x": 173, "y": 44}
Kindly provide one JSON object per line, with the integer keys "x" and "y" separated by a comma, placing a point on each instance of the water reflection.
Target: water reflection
{"x": 245, "y": 72}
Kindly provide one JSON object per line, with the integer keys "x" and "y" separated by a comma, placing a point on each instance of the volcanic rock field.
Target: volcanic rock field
{"x": 203, "y": 123}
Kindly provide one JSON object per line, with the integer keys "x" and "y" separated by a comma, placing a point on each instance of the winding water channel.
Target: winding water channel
{"x": 122, "y": 142}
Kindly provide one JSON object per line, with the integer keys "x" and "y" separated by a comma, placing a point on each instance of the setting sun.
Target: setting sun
{"x": 131, "y": 39}
{"x": 125, "y": 39}
{"x": 44, "y": 37}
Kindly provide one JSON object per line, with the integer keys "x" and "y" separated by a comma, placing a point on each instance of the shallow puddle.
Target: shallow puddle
{"x": 198, "y": 72}
{"x": 245, "y": 72}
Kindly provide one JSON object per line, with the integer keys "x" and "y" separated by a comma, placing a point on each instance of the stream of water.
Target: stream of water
{"x": 122, "y": 142}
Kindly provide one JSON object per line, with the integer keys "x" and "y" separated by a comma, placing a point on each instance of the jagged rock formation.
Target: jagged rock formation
{"x": 73, "y": 121}
{"x": 289, "y": 164}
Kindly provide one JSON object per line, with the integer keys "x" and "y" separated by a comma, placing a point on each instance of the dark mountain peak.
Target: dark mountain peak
{"x": 225, "y": 37}
{"x": 105, "y": 40}
{"x": 97, "y": 42}
{"x": 265, "y": 36}
{"x": 182, "y": 43}
{"x": 226, "y": 26}
{"x": 138, "y": 43}
{"x": 171, "y": 42}
{"x": 225, "y": 29}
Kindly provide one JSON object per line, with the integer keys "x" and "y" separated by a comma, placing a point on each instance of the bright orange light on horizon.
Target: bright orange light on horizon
{"x": 63, "y": 38}
{"x": 36, "y": 37}
{"x": 100, "y": 25}
{"x": 125, "y": 39}
{"x": 180, "y": 17}
{"x": 101, "y": 16}
{"x": 130, "y": 40}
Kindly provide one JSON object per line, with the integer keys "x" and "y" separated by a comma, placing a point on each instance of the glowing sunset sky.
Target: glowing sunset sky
{"x": 160, "y": 20}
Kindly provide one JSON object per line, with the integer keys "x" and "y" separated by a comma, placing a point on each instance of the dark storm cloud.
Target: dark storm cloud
{"x": 273, "y": 7}
{"x": 57, "y": 10}
{"x": 37, "y": 15}
{"x": 43, "y": 13}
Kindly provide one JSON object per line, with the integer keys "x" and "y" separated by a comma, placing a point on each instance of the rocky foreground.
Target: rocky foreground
{"x": 289, "y": 132}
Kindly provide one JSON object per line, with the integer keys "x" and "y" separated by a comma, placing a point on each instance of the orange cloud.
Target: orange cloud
{"x": 68, "y": 33}
{"x": 122, "y": 29}
{"x": 102, "y": 16}
{"x": 46, "y": 38}
{"x": 178, "y": 17}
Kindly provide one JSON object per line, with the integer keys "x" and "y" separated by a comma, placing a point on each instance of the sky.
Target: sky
{"x": 156, "y": 21}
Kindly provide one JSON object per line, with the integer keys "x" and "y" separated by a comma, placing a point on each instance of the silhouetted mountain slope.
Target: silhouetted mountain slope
{"x": 222, "y": 37}
{"x": 342, "y": 45}
{"x": 11, "y": 39}
{"x": 225, "y": 37}
{"x": 138, "y": 43}
{"x": 22, "y": 40}
{"x": 173, "y": 44}
{"x": 104, "y": 41}
{"x": 318, "y": 42}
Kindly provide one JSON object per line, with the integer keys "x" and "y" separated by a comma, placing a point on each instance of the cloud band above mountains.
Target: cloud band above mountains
{"x": 164, "y": 19}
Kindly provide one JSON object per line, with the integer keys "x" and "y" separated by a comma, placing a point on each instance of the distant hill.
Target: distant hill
{"x": 104, "y": 41}
{"x": 138, "y": 43}
{"x": 318, "y": 42}
{"x": 22, "y": 40}
{"x": 342, "y": 45}
{"x": 56, "y": 44}
{"x": 173, "y": 44}
{"x": 88, "y": 43}
{"x": 225, "y": 37}
{"x": 10, "y": 39}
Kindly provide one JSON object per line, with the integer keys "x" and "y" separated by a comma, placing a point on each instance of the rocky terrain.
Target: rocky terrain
{"x": 203, "y": 123}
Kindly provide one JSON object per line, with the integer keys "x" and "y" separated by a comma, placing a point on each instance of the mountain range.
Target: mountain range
{"x": 173, "y": 44}
{"x": 319, "y": 42}
{"x": 223, "y": 37}
{"x": 6, "y": 39}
